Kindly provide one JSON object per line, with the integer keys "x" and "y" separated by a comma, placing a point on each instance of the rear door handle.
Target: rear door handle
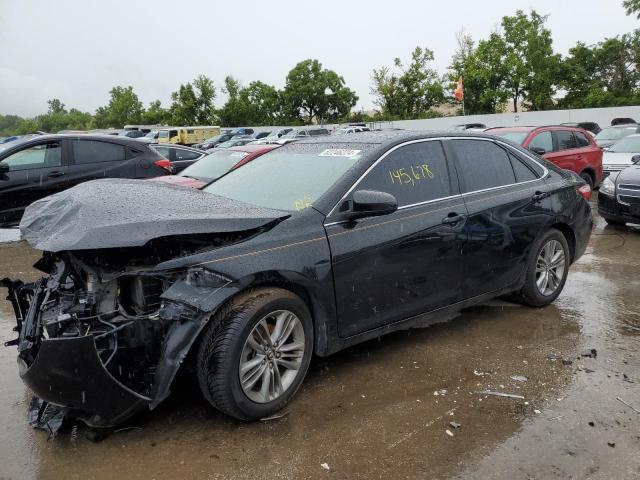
{"x": 452, "y": 219}
{"x": 539, "y": 196}
{"x": 55, "y": 174}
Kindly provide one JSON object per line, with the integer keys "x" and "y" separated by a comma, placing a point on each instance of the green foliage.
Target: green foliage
{"x": 257, "y": 104}
{"x": 124, "y": 107}
{"x": 312, "y": 92}
{"x": 155, "y": 114}
{"x": 602, "y": 75}
{"x": 532, "y": 66}
{"x": 411, "y": 91}
{"x": 193, "y": 103}
{"x": 633, "y": 7}
{"x": 483, "y": 72}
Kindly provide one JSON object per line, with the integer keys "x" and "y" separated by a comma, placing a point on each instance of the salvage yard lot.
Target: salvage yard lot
{"x": 372, "y": 410}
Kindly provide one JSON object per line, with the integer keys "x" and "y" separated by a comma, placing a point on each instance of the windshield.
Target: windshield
{"x": 291, "y": 134}
{"x": 213, "y": 165}
{"x": 627, "y": 145}
{"x": 290, "y": 178}
{"x": 152, "y": 134}
{"x": 614, "y": 133}
{"x": 517, "y": 137}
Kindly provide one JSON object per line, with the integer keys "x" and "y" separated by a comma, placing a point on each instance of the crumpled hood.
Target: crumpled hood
{"x": 114, "y": 213}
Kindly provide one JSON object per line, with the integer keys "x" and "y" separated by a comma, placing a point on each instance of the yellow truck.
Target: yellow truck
{"x": 186, "y": 135}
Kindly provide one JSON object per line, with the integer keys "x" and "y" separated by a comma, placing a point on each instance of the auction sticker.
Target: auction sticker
{"x": 339, "y": 152}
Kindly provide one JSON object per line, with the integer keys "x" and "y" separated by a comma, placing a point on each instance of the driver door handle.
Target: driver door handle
{"x": 539, "y": 196}
{"x": 452, "y": 218}
{"x": 55, "y": 174}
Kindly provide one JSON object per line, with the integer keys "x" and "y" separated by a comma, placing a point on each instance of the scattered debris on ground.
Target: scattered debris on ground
{"x": 500, "y": 394}
{"x": 519, "y": 378}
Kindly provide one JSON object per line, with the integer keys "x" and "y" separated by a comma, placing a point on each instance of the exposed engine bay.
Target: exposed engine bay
{"x": 100, "y": 315}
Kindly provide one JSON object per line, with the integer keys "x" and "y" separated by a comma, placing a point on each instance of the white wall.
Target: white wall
{"x": 602, "y": 116}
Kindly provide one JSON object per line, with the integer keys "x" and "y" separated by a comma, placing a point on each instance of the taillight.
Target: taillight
{"x": 585, "y": 191}
{"x": 164, "y": 163}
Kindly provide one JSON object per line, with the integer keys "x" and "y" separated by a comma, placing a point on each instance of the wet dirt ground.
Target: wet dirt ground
{"x": 372, "y": 411}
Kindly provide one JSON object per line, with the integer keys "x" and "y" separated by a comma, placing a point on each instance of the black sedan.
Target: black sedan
{"x": 39, "y": 166}
{"x": 306, "y": 250}
{"x": 619, "y": 196}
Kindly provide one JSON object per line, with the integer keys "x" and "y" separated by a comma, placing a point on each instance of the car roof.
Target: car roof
{"x": 512, "y": 129}
{"x": 85, "y": 136}
{"x": 252, "y": 148}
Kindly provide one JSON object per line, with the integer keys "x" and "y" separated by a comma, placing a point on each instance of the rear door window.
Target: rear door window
{"x": 581, "y": 139}
{"x": 36, "y": 156}
{"x": 482, "y": 165}
{"x": 542, "y": 140}
{"x": 93, "y": 151}
{"x": 565, "y": 139}
{"x": 413, "y": 174}
{"x": 182, "y": 154}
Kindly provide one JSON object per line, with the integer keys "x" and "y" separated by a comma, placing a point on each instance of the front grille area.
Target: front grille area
{"x": 629, "y": 200}
{"x": 629, "y": 187}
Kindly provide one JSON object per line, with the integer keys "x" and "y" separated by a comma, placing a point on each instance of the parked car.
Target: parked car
{"x": 216, "y": 164}
{"x": 272, "y": 137}
{"x": 180, "y": 157}
{"x": 468, "y": 126}
{"x": 149, "y": 137}
{"x": 592, "y": 127}
{"x": 610, "y": 135}
{"x": 36, "y": 167}
{"x": 355, "y": 129}
{"x": 567, "y": 147}
{"x": 259, "y": 135}
{"x": 304, "y": 251}
{"x": 214, "y": 141}
{"x": 301, "y": 133}
{"x": 623, "y": 121}
{"x": 619, "y": 196}
{"x": 620, "y": 155}
{"x": 236, "y": 141}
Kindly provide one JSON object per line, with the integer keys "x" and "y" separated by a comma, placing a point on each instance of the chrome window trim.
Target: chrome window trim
{"x": 545, "y": 171}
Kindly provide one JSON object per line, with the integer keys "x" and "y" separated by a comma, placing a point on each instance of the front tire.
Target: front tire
{"x": 547, "y": 270}
{"x": 253, "y": 359}
{"x": 589, "y": 179}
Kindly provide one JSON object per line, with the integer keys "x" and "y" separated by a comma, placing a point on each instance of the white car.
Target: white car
{"x": 619, "y": 155}
{"x": 352, "y": 129}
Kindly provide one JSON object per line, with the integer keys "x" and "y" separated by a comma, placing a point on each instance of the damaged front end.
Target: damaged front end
{"x": 96, "y": 337}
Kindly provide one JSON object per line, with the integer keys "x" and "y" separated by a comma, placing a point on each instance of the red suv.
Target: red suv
{"x": 567, "y": 147}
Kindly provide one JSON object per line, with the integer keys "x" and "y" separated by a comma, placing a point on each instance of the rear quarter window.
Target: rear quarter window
{"x": 581, "y": 139}
{"x": 91, "y": 151}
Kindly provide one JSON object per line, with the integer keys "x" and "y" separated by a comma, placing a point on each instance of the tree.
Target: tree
{"x": 193, "y": 103}
{"x": 412, "y": 91}
{"x": 124, "y": 108}
{"x": 483, "y": 73}
{"x": 531, "y": 65}
{"x": 155, "y": 114}
{"x": 257, "y": 104}
{"x": 633, "y": 7}
{"x": 312, "y": 92}
{"x": 604, "y": 74}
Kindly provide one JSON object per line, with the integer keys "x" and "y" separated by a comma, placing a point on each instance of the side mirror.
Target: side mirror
{"x": 635, "y": 160}
{"x": 539, "y": 150}
{"x": 370, "y": 203}
{"x": 4, "y": 168}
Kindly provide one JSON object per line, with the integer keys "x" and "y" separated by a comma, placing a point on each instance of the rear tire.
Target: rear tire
{"x": 547, "y": 269}
{"x": 248, "y": 366}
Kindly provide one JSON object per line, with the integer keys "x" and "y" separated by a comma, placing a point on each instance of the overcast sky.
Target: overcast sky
{"x": 76, "y": 50}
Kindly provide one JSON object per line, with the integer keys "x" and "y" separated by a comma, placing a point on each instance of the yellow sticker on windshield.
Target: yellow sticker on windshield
{"x": 303, "y": 203}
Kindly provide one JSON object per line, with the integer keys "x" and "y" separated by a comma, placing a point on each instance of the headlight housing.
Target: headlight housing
{"x": 202, "y": 277}
{"x": 608, "y": 187}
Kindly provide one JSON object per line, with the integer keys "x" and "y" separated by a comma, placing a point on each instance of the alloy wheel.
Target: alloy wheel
{"x": 272, "y": 356}
{"x": 550, "y": 267}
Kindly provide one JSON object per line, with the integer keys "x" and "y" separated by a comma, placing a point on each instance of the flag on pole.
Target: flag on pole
{"x": 459, "y": 91}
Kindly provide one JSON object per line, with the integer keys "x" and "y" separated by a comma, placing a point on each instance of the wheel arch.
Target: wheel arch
{"x": 569, "y": 235}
